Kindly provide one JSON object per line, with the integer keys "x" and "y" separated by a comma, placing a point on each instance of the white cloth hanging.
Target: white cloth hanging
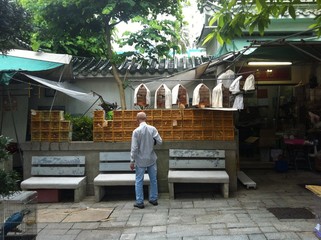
{"x": 249, "y": 83}
{"x": 196, "y": 94}
{"x": 235, "y": 86}
{"x": 226, "y": 78}
{"x": 168, "y": 96}
{"x": 217, "y": 95}
{"x": 175, "y": 91}
{"x": 147, "y": 94}
{"x": 238, "y": 102}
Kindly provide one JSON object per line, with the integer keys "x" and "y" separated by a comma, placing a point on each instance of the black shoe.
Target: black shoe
{"x": 155, "y": 203}
{"x": 141, "y": 205}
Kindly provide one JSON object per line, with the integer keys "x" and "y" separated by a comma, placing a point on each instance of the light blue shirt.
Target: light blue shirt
{"x": 142, "y": 145}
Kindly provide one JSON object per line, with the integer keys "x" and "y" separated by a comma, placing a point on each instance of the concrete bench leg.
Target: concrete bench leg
{"x": 99, "y": 193}
{"x": 225, "y": 189}
{"x": 79, "y": 193}
{"x": 171, "y": 190}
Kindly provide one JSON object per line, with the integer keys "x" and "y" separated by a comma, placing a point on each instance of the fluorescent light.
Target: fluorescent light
{"x": 269, "y": 63}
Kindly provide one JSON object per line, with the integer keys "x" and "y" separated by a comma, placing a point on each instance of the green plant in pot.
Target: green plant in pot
{"x": 8, "y": 178}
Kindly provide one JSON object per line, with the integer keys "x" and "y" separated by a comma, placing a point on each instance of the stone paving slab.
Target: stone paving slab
{"x": 243, "y": 216}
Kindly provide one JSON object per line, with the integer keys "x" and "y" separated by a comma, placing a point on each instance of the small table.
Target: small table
{"x": 298, "y": 150}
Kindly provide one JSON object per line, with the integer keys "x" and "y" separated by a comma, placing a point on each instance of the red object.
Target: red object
{"x": 295, "y": 141}
{"x": 48, "y": 195}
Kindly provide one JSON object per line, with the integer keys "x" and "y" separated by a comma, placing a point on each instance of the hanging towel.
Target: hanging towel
{"x": 217, "y": 96}
{"x": 167, "y": 96}
{"x": 175, "y": 97}
{"x": 238, "y": 102}
{"x": 147, "y": 94}
{"x": 235, "y": 86}
{"x": 249, "y": 83}
{"x": 226, "y": 78}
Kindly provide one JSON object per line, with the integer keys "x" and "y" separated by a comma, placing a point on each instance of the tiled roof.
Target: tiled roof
{"x": 92, "y": 67}
{"x": 102, "y": 67}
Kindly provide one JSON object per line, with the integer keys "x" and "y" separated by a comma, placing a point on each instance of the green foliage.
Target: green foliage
{"x": 82, "y": 127}
{"x": 8, "y": 179}
{"x": 13, "y": 24}
{"x": 80, "y": 27}
{"x": 233, "y": 18}
{"x": 8, "y": 182}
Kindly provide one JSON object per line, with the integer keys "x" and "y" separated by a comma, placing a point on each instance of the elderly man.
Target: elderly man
{"x": 143, "y": 157}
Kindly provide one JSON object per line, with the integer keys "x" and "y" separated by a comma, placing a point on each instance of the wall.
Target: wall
{"x": 91, "y": 151}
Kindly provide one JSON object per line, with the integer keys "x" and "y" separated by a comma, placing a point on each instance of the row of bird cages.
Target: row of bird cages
{"x": 50, "y": 125}
{"x": 51, "y": 136}
{"x": 43, "y": 115}
{"x": 19, "y": 216}
{"x": 169, "y": 135}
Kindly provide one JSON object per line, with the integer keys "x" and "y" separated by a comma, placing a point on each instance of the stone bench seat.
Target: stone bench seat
{"x": 49, "y": 174}
{"x": 114, "y": 171}
{"x": 53, "y": 183}
{"x": 197, "y": 166}
{"x": 124, "y": 179}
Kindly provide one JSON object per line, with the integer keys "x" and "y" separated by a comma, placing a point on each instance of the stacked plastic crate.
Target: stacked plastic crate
{"x": 50, "y": 126}
{"x": 172, "y": 124}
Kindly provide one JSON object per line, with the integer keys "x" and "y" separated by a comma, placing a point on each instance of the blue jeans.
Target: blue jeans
{"x": 153, "y": 193}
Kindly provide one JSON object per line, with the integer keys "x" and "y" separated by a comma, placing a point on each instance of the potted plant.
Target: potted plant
{"x": 8, "y": 178}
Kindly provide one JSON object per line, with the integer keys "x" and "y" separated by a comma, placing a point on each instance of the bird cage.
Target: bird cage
{"x": 163, "y": 97}
{"x": 180, "y": 96}
{"x": 201, "y": 96}
{"x": 19, "y": 216}
{"x": 142, "y": 96}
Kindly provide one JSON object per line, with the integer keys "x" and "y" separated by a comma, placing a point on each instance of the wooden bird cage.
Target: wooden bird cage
{"x": 161, "y": 97}
{"x": 182, "y": 98}
{"x": 142, "y": 96}
{"x": 205, "y": 97}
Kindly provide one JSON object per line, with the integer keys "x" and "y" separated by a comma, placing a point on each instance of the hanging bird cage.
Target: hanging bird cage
{"x": 163, "y": 97}
{"x": 142, "y": 96}
{"x": 180, "y": 96}
{"x": 202, "y": 96}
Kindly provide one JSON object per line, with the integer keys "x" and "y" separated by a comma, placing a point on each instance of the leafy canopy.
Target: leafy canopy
{"x": 82, "y": 27}
{"x": 13, "y": 24}
{"x": 233, "y": 17}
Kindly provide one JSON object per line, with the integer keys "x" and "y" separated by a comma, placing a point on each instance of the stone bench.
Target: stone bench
{"x": 114, "y": 171}
{"x": 53, "y": 173}
{"x": 197, "y": 166}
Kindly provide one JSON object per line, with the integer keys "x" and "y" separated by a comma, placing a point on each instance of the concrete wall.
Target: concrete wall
{"x": 91, "y": 151}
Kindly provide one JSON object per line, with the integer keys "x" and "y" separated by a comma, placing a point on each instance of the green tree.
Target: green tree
{"x": 233, "y": 17}
{"x": 87, "y": 27}
{"x": 13, "y": 24}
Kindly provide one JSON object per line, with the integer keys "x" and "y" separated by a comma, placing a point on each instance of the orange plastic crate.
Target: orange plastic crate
{"x": 166, "y": 114}
{"x": 117, "y": 136}
{"x": 187, "y": 124}
{"x": 65, "y": 125}
{"x": 188, "y": 135}
{"x": 198, "y": 135}
{"x": 117, "y": 125}
{"x": 207, "y": 135}
{"x": 98, "y": 136}
{"x": 129, "y": 124}
{"x": 167, "y": 135}
{"x": 99, "y": 114}
{"x": 56, "y": 115}
{"x": 118, "y": 115}
{"x": 36, "y": 136}
{"x": 127, "y": 114}
{"x": 54, "y": 125}
{"x": 45, "y": 136}
{"x": 177, "y": 135}
{"x": 157, "y": 114}
{"x": 177, "y": 114}
{"x": 35, "y": 125}
{"x": 188, "y": 114}
{"x": 45, "y": 125}
{"x": 45, "y": 115}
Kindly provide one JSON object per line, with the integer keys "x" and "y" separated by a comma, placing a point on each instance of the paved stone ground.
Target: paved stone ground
{"x": 243, "y": 216}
